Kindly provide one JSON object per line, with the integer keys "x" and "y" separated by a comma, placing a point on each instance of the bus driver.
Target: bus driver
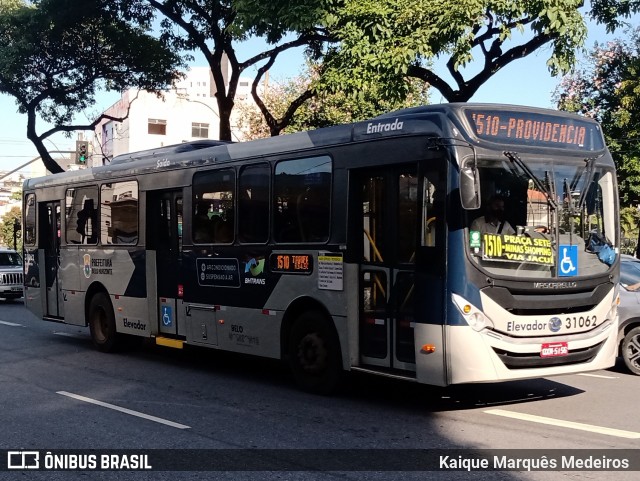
{"x": 493, "y": 222}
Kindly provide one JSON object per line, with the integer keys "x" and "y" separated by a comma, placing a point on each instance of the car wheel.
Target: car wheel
{"x": 631, "y": 350}
{"x": 314, "y": 354}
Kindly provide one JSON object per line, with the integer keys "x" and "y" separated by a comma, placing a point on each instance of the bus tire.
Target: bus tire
{"x": 102, "y": 323}
{"x": 314, "y": 354}
{"x": 631, "y": 350}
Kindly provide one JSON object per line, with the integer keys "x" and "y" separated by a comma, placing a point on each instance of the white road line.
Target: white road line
{"x": 124, "y": 410}
{"x": 69, "y": 334}
{"x": 7, "y": 323}
{"x": 565, "y": 424}
{"x": 598, "y": 376}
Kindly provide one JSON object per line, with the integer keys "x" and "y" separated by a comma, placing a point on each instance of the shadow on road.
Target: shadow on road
{"x": 361, "y": 388}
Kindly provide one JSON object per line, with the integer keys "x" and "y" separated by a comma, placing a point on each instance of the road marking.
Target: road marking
{"x": 69, "y": 334}
{"x": 124, "y": 410}
{"x": 565, "y": 424}
{"x": 598, "y": 376}
{"x": 6, "y": 323}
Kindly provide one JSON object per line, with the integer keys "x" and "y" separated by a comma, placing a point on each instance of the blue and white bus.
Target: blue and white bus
{"x": 348, "y": 248}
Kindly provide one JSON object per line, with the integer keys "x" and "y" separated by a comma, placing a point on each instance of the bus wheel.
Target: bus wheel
{"x": 102, "y": 323}
{"x": 631, "y": 350}
{"x": 314, "y": 354}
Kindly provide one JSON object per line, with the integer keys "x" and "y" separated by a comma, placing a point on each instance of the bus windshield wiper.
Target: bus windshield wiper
{"x": 589, "y": 166}
{"x": 568, "y": 197}
{"x": 515, "y": 158}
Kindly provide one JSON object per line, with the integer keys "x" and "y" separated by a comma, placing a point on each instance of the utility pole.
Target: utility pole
{"x": 16, "y": 227}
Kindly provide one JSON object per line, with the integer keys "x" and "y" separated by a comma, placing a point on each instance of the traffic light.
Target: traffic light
{"x": 82, "y": 151}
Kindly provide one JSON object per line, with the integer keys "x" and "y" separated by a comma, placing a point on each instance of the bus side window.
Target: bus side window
{"x": 214, "y": 197}
{"x": 119, "y": 213}
{"x": 30, "y": 220}
{"x": 253, "y": 203}
{"x": 434, "y": 200}
{"x": 302, "y": 200}
{"x": 81, "y": 215}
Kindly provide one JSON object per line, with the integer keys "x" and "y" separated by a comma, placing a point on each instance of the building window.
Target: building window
{"x": 157, "y": 127}
{"x": 200, "y": 130}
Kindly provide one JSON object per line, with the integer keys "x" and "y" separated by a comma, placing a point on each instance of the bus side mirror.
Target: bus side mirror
{"x": 469, "y": 186}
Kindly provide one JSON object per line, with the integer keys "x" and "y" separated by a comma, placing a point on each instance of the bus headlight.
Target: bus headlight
{"x": 474, "y": 316}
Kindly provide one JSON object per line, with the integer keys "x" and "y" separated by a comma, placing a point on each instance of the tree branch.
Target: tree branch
{"x": 468, "y": 88}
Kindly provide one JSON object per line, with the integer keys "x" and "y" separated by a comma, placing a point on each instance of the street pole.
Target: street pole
{"x": 16, "y": 228}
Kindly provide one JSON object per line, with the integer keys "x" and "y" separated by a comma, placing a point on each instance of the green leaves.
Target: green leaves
{"x": 390, "y": 38}
{"x": 326, "y": 108}
{"x": 607, "y": 88}
{"x": 55, "y": 54}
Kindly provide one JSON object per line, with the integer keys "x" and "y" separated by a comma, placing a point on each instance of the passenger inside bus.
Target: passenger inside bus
{"x": 493, "y": 222}
{"x": 202, "y": 225}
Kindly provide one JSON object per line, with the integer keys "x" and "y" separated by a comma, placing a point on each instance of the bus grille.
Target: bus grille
{"x": 514, "y": 360}
{"x": 14, "y": 278}
{"x": 531, "y": 303}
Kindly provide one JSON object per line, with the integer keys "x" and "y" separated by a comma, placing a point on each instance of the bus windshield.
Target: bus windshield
{"x": 544, "y": 217}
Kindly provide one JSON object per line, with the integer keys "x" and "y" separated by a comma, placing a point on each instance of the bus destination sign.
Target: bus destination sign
{"x": 291, "y": 263}
{"x": 534, "y": 128}
{"x": 514, "y": 248}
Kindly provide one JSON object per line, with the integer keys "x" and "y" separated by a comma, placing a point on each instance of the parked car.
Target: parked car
{"x": 11, "y": 285}
{"x": 629, "y": 312}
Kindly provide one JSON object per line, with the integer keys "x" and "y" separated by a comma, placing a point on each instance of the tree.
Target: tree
{"x": 55, "y": 55}
{"x": 214, "y": 27}
{"x": 395, "y": 39}
{"x": 613, "y": 13}
{"x": 607, "y": 88}
{"x": 324, "y": 109}
{"x": 7, "y": 228}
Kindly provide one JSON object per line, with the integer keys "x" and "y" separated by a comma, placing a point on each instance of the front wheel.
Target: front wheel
{"x": 102, "y": 323}
{"x": 631, "y": 350}
{"x": 314, "y": 354}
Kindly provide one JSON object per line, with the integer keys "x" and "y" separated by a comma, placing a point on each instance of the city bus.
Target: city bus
{"x": 348, "y": 248}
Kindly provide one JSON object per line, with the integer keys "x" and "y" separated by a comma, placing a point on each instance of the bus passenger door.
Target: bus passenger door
{"x": 50, "y": 226}
{"x": 387, "y": 217}
{"x": 164, "y": 217}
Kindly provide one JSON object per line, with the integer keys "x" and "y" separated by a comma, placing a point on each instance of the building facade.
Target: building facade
{"x": 185, "y": 113}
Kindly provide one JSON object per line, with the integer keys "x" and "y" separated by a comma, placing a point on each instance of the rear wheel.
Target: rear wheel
{"x": 102, "y": 323}
{"x": 631, "y": 350}
{"x": 314, "y": 354}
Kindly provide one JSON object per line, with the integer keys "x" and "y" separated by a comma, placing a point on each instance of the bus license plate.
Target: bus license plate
{"x": 554, "y": 349}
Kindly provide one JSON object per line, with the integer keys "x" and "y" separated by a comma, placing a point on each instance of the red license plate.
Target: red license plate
{"x": 554, "y": 349}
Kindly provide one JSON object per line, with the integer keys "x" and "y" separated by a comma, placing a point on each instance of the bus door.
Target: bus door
{"x": 50, "y": 215}
{"x": 164, "y": 220}
{"x": 388, "y": 217}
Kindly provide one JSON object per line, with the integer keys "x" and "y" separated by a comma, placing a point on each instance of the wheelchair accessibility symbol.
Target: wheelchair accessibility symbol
{"x": 568, "y": 261}
{"x": 167, "y": 316}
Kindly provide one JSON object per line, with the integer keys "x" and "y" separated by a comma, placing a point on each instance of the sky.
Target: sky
{"x": 525, "y": 81}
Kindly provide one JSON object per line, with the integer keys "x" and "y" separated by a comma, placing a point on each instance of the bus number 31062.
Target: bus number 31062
{"x": 580, "y": 322}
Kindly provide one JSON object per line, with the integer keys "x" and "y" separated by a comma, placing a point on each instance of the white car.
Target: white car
{"x": 629, "y": 312}
{"x": 11, "y": 285}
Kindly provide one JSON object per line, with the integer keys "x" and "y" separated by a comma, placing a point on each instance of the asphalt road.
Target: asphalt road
{"x": 58, "y": 393}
